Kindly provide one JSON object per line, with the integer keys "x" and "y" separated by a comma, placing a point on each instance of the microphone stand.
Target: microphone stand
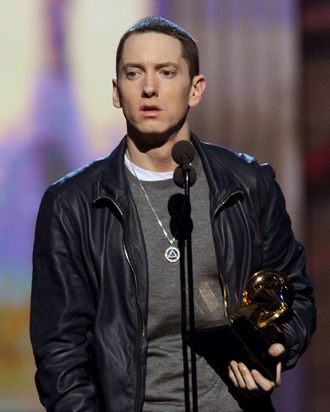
{"x": 186, "y": 252}
{"x": 191, "y": 310}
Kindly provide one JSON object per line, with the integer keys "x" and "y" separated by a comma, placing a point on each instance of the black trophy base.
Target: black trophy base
{"x": 256, "y": 346}
{"x": 239, "y": 341}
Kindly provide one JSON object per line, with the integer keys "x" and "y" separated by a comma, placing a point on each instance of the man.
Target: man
{"x": 106, "y": 311}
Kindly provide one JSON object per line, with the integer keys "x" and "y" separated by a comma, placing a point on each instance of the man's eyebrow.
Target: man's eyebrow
{"x": 141, "y": 66}
{"x": 127, "y": 65}
{"x": 167, "y": 64}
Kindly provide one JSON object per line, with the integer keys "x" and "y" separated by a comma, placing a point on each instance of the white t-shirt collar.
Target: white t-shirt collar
{"x": 146, "y": 175}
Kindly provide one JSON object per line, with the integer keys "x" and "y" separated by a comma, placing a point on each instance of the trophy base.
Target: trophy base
{"x": 256, "y": 346}
{"x": 239, "y": 341}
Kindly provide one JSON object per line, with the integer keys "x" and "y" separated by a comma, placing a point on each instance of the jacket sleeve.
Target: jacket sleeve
{"x": 281, "y": 251}
{"x": 62, "y": 312}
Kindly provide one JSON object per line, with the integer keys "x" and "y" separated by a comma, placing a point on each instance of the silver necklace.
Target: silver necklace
{"x": 172, "y": 253}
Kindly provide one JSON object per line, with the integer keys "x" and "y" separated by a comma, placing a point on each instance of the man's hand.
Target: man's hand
{"x": 253, "y": 380}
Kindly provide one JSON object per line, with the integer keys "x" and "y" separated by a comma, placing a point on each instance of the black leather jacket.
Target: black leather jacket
{"x": 90, "y": 280}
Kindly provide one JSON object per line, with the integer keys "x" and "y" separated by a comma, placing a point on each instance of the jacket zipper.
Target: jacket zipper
{"x": 222, "y": 280}
{"x": 140, "y": 317}
{"x": 141, "y": 328}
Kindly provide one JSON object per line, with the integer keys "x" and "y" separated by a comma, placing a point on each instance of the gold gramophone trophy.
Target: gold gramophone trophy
{"x": 253, "y": 327}
{"x": 267, "y": 302}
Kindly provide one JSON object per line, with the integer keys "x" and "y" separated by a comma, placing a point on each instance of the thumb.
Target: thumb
{"x": 276, "y": 349}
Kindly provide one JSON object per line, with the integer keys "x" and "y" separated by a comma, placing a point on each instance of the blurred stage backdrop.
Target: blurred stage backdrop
{"x": 267, "y": 65}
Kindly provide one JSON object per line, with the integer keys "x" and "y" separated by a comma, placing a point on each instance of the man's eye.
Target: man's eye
{"x": 132, "y": 74}
{"x": 168, "y": 73}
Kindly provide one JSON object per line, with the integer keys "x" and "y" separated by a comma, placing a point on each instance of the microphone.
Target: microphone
{"x": 183, "y": 152}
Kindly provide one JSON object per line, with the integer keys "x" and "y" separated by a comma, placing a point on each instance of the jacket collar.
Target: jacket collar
{"x": 221, "y": 181}
{"x": 113, "y": 182}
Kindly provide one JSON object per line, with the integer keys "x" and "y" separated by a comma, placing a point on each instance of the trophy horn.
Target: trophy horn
{"x": 272, "y": 292}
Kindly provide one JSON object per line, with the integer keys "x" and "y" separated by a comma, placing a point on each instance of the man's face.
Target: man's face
{"x": 153, "y": 86}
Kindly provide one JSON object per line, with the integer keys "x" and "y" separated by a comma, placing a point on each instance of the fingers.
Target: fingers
{"x": 278, "y": 374}
{"x": 241, "y": 376}
{"x": 232, "y": 374}
{"x": 277, "y": 350}
{"x": 262, "y": 382}
{"x": 252, "y": 380}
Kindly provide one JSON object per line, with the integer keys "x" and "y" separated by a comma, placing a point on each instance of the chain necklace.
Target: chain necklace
{"x": 172, "y": 253}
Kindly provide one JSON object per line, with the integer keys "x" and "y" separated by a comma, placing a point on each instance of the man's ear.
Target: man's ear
{"x": 198, "y": 86}
{"x": 115, "y": 94}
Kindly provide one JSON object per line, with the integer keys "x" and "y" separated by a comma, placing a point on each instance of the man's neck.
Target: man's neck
{"x": 156, "y": 159}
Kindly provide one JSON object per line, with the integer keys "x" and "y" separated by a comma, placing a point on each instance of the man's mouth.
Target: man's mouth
{"x": 150, "y": 108}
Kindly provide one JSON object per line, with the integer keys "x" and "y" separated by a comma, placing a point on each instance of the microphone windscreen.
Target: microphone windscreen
{"x": 178, "y": 176}
{"x": 183, "y": 149}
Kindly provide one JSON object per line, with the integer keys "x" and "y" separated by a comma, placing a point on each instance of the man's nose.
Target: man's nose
{"x": 150, "y": 88}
